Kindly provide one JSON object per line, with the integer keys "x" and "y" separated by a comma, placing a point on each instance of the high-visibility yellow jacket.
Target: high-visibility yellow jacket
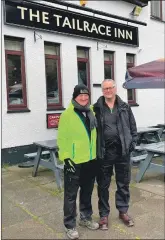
{"x": 73, "y": 139}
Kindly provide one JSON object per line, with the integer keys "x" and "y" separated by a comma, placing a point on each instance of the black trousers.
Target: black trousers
{"x": 83, "y": 178}
{"x": 114, "y": 159}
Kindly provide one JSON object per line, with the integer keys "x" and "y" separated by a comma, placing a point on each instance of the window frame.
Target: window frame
{"x": 52, "y": 106}
{"x": 23, "y": 76}
{"x": 161, "y": 12}
{"x": 111, "y": 63}
{"x": 130, "y": 65}
{"x": 86, "y": 60}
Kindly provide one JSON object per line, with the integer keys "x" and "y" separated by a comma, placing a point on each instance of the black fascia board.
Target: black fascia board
{"x": 74, "y": 6}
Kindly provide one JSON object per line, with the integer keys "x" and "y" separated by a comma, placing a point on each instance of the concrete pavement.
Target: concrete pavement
{"x": 32, "y": 208}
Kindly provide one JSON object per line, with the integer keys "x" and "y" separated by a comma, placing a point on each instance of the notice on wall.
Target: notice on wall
{"x": 38, "y": 16}
{"x": 53, "y": 120}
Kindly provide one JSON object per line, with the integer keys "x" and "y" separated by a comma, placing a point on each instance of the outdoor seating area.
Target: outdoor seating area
{"x": 150, "y": 145}
{"x": 34, "y": 193}
{"x": 33, "y": 207}
{"x": 83, "y": 127}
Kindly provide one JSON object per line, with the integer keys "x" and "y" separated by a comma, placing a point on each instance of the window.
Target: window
{"x": 131, "y": 93}
{"x": 108, "y": 65}
{"x": 15, "y": 73}
{"x": 83, "y": 66}
{"x": 158, "y": 9}
{"x": 53, "y": 75}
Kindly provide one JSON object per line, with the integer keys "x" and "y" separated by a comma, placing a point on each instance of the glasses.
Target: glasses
{"x": 110, "y": 88}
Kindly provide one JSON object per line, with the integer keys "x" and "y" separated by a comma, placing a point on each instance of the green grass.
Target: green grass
{"x": 5, "y": 165}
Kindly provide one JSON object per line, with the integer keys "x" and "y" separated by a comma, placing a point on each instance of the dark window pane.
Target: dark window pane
{"x": 163, "y": 10}
{"x": 52, "y": 81}
{"x": 52, "y": 49}
{"x": 82, "y": 73}
{"x": 155, "y": 8}
{"x": 131, "y": 95}
{"x": 130, "y": 59}
{"x": 14, "y": 79}
{"x": 107, "y": 71}
{"x": 108, "y": 56}
{"x": 82, "y": 53}
{"x": 13, "y": 45}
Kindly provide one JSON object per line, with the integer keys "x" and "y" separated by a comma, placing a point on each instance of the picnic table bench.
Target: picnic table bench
{"x": 152, "y": 149}
{"x": 162, "y": 125}
{"x": 52, "y": 163}
{"x": 149, "y": 134}
{"x": 46, "y": 155}
{"x": 140, "y": 154}
{"x": 34, "y": 154}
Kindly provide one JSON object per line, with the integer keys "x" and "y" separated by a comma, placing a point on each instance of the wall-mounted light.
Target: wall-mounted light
{"x": 83, "y": 3}
{"x": 101, "y": 45}
{"x": 136, "y": 11}
{"x": 36, "y": 36}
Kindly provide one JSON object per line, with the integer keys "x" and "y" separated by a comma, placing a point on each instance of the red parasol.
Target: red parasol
{"x": 148, "y": 75}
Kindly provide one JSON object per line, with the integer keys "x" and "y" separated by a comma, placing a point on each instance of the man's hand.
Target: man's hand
{"x": 70, "y": 165}
{"x": 132, "y": 147}
{"x": 56, "y": 154}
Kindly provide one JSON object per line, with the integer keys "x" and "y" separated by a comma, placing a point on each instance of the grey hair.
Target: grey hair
{"x": 108, "y": 80}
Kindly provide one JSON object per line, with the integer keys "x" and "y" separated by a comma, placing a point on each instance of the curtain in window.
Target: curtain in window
{"x": 155, "y": 8}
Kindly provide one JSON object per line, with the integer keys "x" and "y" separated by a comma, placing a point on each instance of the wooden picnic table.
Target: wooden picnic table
{"x": 146, "y": 129}
{"x": 154, "y": 148}
{"x": 161, "y": 125}
{"x": 52, "y": 163}
{"x": 143, "y": 131}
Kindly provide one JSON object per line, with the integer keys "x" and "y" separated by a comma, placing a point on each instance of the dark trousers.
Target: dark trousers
{"x": 113, "y": 159}
{"x": 84, "y": 177}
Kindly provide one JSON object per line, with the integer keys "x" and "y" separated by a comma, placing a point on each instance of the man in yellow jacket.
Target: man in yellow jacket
{"x": 77, "y": 148}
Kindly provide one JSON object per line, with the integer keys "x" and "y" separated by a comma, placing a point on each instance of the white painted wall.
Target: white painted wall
{"x": 0, "y": 72}
{"x": 25, "y": 128}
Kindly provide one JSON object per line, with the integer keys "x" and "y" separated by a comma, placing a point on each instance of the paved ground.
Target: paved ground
{"x": 32, "y": 208}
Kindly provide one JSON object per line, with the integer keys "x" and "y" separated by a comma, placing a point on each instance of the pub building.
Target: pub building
{"x": 50, "y": 46}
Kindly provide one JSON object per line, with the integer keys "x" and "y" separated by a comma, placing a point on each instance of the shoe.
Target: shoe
{"x": 72, "y": 233}
{"x": 89, "y": 224}
{"x": 126, "y": 219}
{"x": 103, "y": 223}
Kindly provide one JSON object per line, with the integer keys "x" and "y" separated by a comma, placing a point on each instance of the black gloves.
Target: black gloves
{"x": 56, "y": 154}
{"x": 70, "y": 165}
{"x": 132, "y": 146}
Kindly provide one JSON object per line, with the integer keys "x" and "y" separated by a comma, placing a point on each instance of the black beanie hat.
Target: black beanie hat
{"x": 80, "y": 89}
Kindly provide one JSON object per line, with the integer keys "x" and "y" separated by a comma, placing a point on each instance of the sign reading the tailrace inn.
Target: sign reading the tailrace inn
{"x": 38, "y": 16}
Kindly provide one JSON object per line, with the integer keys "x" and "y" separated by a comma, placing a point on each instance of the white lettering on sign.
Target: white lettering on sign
{"x": 108, "y": 30}
{"x": 99, "y": 29}
{"x": 45, "y": 17}
{"x": 121, "y": 33}
{"x": 66, "y": 23}
{"x": 125, "y": 34}
{"x": 94, "y": 28}
{"x": 32, "y": 15}
{"x": 76, "y": 23}
{"x": 57, "y": 19}
{"x": 73, "y": 23}
{"x": 128, "y": 35}
{"x": 115, "y": 32}
{"x": 86, "y": 26}
{"x": 22, "y": 11}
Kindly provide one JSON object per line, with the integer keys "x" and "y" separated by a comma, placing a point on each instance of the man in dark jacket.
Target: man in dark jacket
{"x": 117, "y": 136}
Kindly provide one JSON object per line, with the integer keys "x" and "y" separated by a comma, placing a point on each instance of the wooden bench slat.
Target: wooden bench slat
{"x": 32, "y": 155}
{"x": 141, "y": 157}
